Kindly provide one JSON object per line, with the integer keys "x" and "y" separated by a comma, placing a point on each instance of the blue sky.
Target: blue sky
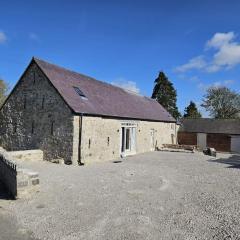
{"x": 196, "y": 43}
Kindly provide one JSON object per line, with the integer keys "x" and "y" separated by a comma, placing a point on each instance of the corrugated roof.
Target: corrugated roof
{"x": 101, "y": 98}
{"x": 208, "y": 125}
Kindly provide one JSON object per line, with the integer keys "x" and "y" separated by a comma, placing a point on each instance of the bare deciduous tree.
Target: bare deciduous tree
{"x": 221, "y": 102}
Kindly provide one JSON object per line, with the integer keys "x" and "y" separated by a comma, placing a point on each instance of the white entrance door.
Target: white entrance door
{"x": 128, "y": 140}
{"x": 202, "y": 140}
{"x": 235, "y": 144}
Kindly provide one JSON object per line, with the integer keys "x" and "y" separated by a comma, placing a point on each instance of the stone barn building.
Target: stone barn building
{"x": 80, "y": 119}
{"x": 221, "y": 134}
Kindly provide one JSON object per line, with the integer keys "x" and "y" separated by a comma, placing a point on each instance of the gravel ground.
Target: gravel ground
{"x": 9, "y": 229}
{"x": 158, "y": 195}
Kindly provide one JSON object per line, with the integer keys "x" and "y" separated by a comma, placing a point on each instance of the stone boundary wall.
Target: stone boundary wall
{"x": 8, "y": 175}
{"x": 183, "y": 147}
{"x": 18, "y": 181}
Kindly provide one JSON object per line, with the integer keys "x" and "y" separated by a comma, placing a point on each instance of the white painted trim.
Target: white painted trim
{"x": 132, "y": 126}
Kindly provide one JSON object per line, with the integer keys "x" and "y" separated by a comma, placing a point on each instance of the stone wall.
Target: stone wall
{"x": 76, "y": 129}
{"x": 26, "y": 155}
{"x": 17, "y": 181}
{"x": 163, "y": 135}
{"x": 36, "y": 117}
{"x": 101, "y": 137}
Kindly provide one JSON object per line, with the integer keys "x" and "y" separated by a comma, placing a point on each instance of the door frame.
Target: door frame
{"x": 131, "y": 127}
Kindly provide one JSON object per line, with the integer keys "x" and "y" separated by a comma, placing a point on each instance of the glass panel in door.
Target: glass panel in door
{"x": 123, "y": 140}
{"x": 128, "y": 139}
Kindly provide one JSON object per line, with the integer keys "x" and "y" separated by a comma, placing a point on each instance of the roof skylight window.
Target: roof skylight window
{"x": 79, "y": 92}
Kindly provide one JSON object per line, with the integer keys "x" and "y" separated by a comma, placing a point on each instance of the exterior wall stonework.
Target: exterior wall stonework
{"x": 96, "y": 131}
{"x": 75, "y": 147}
{"x": 36, "y": 117}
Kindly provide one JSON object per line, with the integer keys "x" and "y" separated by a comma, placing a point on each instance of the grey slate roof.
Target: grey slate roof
{"x": 103, "y": 99}
{"x": 207, "y": 125}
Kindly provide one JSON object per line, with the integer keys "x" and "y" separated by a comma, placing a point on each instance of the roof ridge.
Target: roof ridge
{"x": 66, "y": 69}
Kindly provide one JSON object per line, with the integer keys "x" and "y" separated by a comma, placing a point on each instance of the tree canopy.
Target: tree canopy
{"x": 221, "y": 102}
{"x": 166, "y": 95}
{"x": 191, "y": 111}
{"x": 3, "y": 91}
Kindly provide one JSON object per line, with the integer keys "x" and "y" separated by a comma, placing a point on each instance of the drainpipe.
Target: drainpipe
{"x": 80, "y": 141}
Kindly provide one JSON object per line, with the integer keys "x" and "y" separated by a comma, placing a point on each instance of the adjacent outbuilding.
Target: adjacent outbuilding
{"x": 221, "y": 134}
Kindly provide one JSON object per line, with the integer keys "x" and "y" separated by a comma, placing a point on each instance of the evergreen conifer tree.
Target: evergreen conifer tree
{"x": 166, "y": 95}
{"x": 191, "y": 111}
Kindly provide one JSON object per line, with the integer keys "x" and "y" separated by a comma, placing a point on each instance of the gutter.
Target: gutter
{"x": 124, "y": 118}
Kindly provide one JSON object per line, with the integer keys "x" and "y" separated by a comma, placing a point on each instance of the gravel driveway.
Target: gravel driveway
{"x": 156, "y": 195}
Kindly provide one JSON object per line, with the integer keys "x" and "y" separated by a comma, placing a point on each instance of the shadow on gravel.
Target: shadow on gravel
{"x": 233, "y": 161}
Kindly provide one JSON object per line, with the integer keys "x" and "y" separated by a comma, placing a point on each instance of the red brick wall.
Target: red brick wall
{"x": 185, "y": 138}
{"x": 221, "y": 142}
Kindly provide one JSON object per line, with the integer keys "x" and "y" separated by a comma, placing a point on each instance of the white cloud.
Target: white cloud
{"x": 228, "y": 82}
{"x": 194, "y": 63}
{"x": 226, "y": 56}
{"x": 194, "y": 79}
{"x": 204, "y": 86}
{"x": 211, "y": 68}
{"x": 127, "y": 85}
{"x": 220, "y": 39}
{"x": 33, "y": 36}
{"x": 3, "y": 37}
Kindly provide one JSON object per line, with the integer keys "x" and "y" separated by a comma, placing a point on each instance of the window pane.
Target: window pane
{"x": 127, "y": 138}
{"x": 79, "y": 92}
{"x": 123, "y": 139}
